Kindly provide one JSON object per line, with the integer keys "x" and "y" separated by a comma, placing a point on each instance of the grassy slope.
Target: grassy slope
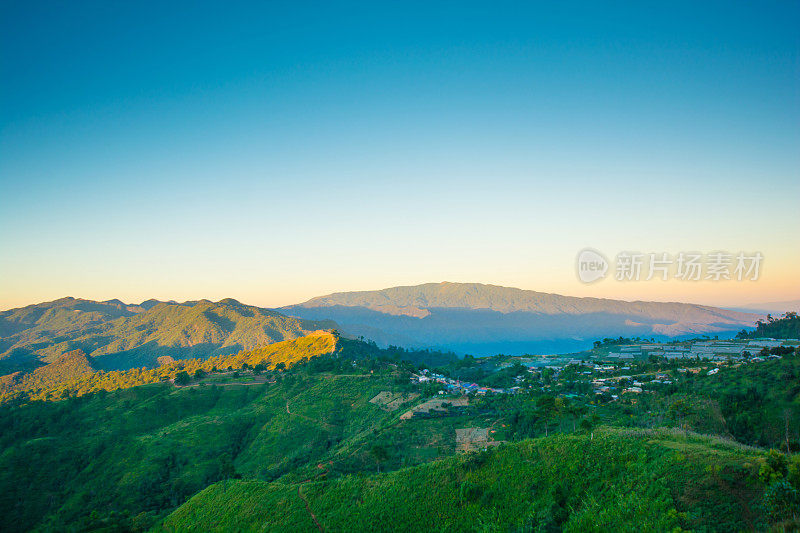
{"x": 615, "y": 481}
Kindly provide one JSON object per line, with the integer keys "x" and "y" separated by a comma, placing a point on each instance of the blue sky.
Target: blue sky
{"x": 277, "y": 152}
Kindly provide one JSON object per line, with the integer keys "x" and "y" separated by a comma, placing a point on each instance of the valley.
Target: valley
{"x": 326, "y": 432}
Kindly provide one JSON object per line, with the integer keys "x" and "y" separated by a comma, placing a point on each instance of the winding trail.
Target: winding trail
{"x": 308, "y": 508}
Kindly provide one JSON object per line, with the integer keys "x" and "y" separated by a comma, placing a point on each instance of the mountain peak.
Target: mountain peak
{"x": 149, "y": 304}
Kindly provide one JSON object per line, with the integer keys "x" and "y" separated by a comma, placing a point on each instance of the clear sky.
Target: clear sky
{"x": 273, "y": 152}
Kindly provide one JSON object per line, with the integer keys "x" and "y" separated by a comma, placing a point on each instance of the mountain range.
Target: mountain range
{"x": 460, "y": 317}
{"x": 118, "y": 336}
{"x": 488, "y": 319}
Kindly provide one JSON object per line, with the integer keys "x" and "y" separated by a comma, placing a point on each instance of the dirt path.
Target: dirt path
{"x": 210, "y": 384}
{"x": 329, "y": 376}
{"x": 256, "y": 381}
{"x": 308, "y": 508}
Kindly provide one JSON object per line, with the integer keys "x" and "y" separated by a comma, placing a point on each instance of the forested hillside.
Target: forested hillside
{"x": 296, "y": 432}
{"x": 613, "y": 480}
{"x": 116, "y": 336}
{"x": 785, "y": 327}
{"x": 72, "y": 374}
{"x": 122, "y": 459}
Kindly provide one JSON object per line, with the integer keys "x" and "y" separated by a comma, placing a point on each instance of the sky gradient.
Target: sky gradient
{"x": 273, "y": 153}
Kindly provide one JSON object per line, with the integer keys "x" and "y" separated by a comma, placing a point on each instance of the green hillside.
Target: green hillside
{"x": 118, "y": 337}
{"x": 785, "y": 327}
{"x": 122, "y": 459}
{"x": 347, "y": 431}
{"x": 616, "y": 480}
{"x": 72, "y": 375}
{"x": 109, "y": 457}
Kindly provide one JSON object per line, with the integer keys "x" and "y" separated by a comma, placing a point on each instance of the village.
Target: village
{"x": 608, "y": 369}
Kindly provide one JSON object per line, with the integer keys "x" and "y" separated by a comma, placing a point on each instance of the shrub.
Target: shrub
{"x": 782, "y": 501}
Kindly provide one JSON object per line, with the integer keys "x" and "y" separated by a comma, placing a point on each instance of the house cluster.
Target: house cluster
{"x": 455, "y": 386}
{"x": 632, "y": 385}
{"x": 712, "y": 352}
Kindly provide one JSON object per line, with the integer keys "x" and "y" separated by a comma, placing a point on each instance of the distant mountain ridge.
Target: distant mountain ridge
{"x": 775, "y": 308}
{"x": 462, "y": 317}
{"x": 118, "y": 336}
{"x": 485, "y": 319}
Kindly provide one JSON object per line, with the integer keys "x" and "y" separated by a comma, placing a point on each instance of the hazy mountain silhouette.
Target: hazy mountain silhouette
{"x": 489, "y": 319}
{"x": 775, "y": 308}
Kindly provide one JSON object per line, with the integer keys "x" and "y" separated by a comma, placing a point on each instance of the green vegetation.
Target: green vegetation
{"x": 757, "y": 404}
{"x": 72, "y": 374}
{"x": 612, "y": 480}
{"x": 609, "y": 342}
{"x": 122, "y": 459}
{"x": 326, "y": 432}
{"x": 786, "y": 327}
{"x": 120, "y": 337}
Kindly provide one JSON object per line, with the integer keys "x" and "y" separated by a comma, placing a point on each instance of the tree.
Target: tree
{"x": 546, "y": 405}
{"x": 575, "y": 411}
{"x": 182, "y": 378}
{"x": 680, "y": 410}
{"x": 380, "y": 454}
{"x": 775, "y": 467}
{"x": 225, "y": 467}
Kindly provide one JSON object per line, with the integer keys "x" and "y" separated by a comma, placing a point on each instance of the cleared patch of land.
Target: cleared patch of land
{"x": 435, "y": 404}
{"x": 473, "y": 439}
{"x": 391, "y": 401}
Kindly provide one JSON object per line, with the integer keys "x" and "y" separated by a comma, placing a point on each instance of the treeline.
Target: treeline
{"x": 609, "y": 341}
{"x": 365, "y": 348}
{"x": 785, "y": 327}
